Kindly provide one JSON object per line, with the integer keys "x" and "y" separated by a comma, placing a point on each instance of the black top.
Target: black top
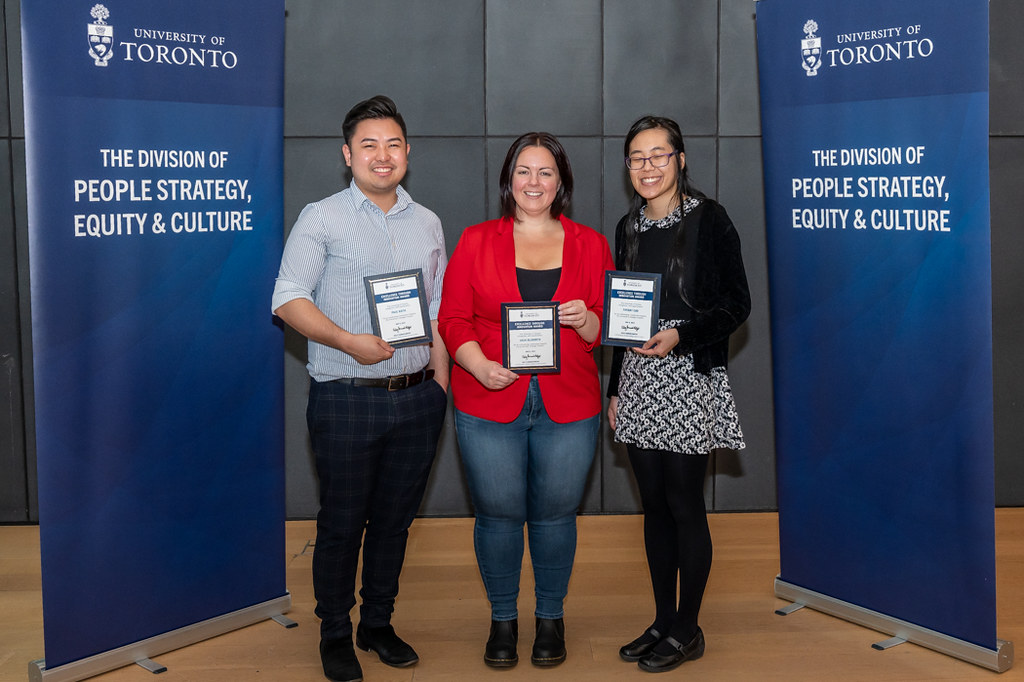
{"x": 653, "y": 247}
{"x": 718, "y": 298}
{"x": 538, "y": 285}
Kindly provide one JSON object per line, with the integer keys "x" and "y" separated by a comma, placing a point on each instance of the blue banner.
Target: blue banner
{"x": 154, "y": 155}
{"x": 875, "y": 141}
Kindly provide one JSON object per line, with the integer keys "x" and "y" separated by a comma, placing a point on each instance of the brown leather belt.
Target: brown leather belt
{"x": 395, "y": 383}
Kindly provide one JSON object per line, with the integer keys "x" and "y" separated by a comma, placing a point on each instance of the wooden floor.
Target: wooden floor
{"x": 443, "y": 612}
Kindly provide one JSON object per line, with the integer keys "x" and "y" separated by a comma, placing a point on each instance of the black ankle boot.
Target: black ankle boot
{"x": 501, "y": 645}
{"x": 339, "y": 660}
{"x": 549, "y": 644}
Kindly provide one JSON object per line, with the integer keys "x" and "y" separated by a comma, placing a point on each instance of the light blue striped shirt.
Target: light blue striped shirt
{"x": 341, "y": 239}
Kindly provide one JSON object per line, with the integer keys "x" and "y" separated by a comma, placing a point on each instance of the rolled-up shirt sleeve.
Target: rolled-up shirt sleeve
{"x": 304, "y": 259}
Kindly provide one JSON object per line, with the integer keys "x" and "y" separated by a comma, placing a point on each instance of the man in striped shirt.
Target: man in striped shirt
{"x": 375, "y": 411}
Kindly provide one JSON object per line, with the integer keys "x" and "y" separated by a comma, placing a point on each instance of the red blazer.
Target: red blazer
{"x": 481, "y": 275}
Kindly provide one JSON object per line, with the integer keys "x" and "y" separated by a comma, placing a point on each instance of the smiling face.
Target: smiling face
{"x": 656, "y": 185}
{"x": 379, "y": 158}
{"x": 535, "y": 182}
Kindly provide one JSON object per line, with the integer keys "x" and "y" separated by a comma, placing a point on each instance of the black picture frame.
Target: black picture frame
{"x": 632, "y": 301}
{"x": 531, "y": 337}
{"x": 388, "y": 296}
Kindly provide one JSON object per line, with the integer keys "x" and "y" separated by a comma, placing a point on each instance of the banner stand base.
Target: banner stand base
{"x": 1000, "y": 659}
{"x": 160, "y": 644}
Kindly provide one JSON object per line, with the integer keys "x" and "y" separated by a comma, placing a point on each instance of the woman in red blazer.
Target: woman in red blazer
{"x": 527, "y": 441}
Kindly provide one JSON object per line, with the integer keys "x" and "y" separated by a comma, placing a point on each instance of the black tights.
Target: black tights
{"x": 676, "y": 535}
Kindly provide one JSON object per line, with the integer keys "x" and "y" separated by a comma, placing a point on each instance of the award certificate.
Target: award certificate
{"x": 631, "y": 302}
{"x": 530, "y": 337}
{"x": 398, "y": 308}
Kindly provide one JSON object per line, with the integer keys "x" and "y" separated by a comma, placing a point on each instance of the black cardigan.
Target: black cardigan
{"x": 716, "y": 287}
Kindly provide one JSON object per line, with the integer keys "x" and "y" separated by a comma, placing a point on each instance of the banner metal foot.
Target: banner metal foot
{"x": 151, "y": 665}
{"x": 889, "y": 643}
{"x": 284, "y": 621}
{"x": 786, "y": 610}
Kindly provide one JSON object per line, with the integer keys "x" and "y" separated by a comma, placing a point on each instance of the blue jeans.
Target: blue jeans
{"x": 530, "y": 471}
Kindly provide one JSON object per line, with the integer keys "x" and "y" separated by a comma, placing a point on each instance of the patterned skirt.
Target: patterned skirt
{"x": 665, "y": 405}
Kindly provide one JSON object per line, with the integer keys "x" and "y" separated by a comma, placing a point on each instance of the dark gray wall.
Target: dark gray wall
{"x": 469, "y": 76}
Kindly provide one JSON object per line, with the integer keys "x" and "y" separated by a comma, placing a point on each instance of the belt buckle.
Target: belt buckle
{"x": 397, "y": 383}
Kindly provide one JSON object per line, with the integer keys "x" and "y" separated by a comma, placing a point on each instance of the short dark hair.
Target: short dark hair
{"x": 378, "y": 106}
{"x": 551, "y": 143}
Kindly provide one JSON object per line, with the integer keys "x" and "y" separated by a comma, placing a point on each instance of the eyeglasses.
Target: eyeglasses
{"x": 657, "y": 161}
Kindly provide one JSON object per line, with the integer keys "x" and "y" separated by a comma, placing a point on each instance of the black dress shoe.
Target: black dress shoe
{"x": 501, "y": 645}
{"x": 339, "y": 660}
{"x": 549, "y": 644}
{"x": 669, "y": 654}
{"x": 385, "y": 643}
{"x": 641, "y": 646}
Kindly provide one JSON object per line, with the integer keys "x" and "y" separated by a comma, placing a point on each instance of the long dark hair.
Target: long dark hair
{"x": 684, "y": 188}
{"x": 551, "y": 143}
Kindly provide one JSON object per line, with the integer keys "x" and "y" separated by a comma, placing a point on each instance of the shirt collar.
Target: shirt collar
{"x": 360, "y": 200}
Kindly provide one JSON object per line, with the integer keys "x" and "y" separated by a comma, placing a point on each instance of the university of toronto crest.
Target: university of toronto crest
{"x": 101, "y": 36}
{"x": 810, "y": 48}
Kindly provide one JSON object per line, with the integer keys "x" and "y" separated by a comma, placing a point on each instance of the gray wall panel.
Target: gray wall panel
{"x": 300, "y": 467}
{"x": 701, "y": 163}
{"x": 25, "y": 314}
{"x": 427, "y": 56}
{"x": 1007, "y": 177}
{"x": 543, "y": 67}
{"x": 447, "y": 176}
{"x": 313, "y": 169}
{"x": 616, "y": 186}
{"x": 5, "y": 101}
{"x": 661, "y": 59}
{"x": 746, "y": 479}
{"x": 739, "y": 108}
{"x": 497, "y": 148}
{"x": 16, "y": 113}
{"x": 1006, "y": 67}
{"x": 13, "y": 473}
{"x": 447, "y": 494}
{"x": 620, "y": 492}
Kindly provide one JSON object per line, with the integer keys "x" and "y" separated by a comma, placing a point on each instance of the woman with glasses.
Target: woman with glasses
{"x": 527, "y": 440}
{"x": 670, "y": 400}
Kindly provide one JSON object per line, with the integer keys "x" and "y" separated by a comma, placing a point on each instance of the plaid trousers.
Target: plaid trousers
{"x": 374, "y": 449}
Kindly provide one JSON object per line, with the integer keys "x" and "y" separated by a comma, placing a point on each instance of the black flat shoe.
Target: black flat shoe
{"x": 339, "y": 660}
{"x": 385, "y": 643}
{"x": 660, "y": 661}
{"x": 641, "y": 646}
{"x": 502, "y": 644}
{"x": 549, "y": 644}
